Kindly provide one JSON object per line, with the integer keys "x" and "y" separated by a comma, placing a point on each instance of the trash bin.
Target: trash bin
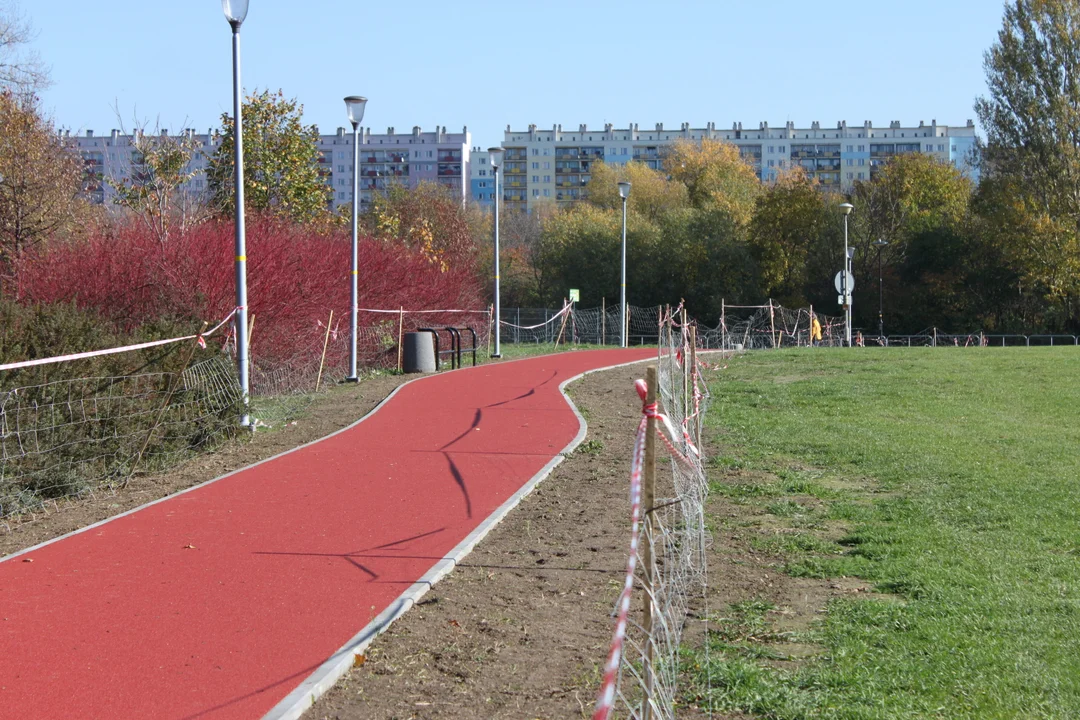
{"x": 418, "y": 352}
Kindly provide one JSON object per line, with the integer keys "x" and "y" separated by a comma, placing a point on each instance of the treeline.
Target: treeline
{"x": 958, "y": 256}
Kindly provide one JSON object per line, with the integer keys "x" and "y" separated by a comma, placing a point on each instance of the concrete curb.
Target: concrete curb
{"x": 326, "y": 675}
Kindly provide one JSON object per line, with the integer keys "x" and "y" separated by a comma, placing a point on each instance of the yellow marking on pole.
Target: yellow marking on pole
{"x": 241, "y": 258}
{"x": 354, "y": 272}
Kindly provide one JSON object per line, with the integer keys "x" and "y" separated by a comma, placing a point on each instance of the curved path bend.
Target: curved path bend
{"x": 242, "y": 597}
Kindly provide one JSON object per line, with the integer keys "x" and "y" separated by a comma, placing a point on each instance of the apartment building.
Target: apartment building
{"x": 385, "y": 159}
{"x": 555, "y": 165}
{"x": 481, "y": 180}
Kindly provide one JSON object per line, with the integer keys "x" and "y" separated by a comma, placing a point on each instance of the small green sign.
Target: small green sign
{"x": 575, "y": 295}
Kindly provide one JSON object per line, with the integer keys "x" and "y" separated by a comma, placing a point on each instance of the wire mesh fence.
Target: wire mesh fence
{"x": 669, "y": 563}
{"x": 69, "y": 437}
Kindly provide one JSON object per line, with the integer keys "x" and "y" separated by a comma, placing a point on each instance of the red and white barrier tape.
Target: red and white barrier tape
{"x": 556, "y": 316}
{"x": 422, "y": 312}
{"x": 198, "y": 337}
{"x": 606, "y": 700}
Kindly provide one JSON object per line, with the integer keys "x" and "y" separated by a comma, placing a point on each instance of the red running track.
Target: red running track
{"x": 219, "y": 601}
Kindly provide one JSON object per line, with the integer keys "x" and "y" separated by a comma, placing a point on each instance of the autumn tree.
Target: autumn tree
{"x": 427, "y": 218}
{"x": 40, "y": 179}
{"x": 651, "y": 194}
{"x": 158, "y": 189}
{"x": 281, "y": 162}
{"x": 792, "y": 218}
{"x": 1031, "y": 159}
{"x": 715, "y": 175}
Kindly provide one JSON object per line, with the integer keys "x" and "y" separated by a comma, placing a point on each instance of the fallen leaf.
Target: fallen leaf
{"x": 28, "y": 559}
{"x": 190, "y": 547}
{"x": 455, "y": 623}
{"x": 359, "y": 660}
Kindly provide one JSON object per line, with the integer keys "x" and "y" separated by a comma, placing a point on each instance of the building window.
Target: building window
{"x": 547, "y": 178}
{"x": 536, "y": 179}
{"x": 771, "y": 150}
{"x": 772, "y": 163}
{"x": 861, "y": 176}
{"x": 536, "y": 166}
{"x": 535, "y": 151}
{"x": 849, "y": 177}
{"x": 862, "y": 162}
{"x": 547, "y": 151}
{"x": 536, "y": 194}
{"x": 483, "y": 173}
{"x": 547, "y": 192}
{"x": 547, "y": 166}
{"x": 429, "y": 155}
{"x": 862, "y": 148}
{"x": 850, "y": 162}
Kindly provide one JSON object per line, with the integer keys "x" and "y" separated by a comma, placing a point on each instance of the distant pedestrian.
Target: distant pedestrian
{"x": 859, "y": 339}
{"x": 815, "y": 332}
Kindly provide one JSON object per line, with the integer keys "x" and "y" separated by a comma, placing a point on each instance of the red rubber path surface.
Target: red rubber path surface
{"x": 217, "y": 602}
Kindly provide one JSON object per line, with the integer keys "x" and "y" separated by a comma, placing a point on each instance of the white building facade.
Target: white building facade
{"x": 385, "y": 159}
{"x": 555, "y": 165}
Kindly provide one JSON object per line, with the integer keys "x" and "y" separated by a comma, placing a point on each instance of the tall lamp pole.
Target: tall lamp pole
{"x": 495, "y": 154}
{"x": 235, "y": 12}
{"x": 624, "y": 193}
{"x": 354, "y": 105}
{"x": 879, "y": 244}
{"x": 846, "y": 208}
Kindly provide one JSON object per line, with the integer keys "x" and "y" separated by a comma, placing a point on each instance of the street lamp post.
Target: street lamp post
{"x": 624, "y": 193}
{"x": 846, "y": 208}
{"x": 495, "y": 154}
{"x": 235, "y": 12}
{"x": 879, "y": 244}
{"x": 354, "y": 105}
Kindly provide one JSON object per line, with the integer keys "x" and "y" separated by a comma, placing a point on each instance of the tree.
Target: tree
{"x": 1032, "y": 122}
{"x": 281, "y": 162}
{"x": 791, "y": 217}
{"x": 651, "y": 193}
{"x": 428, "y": 219}
{"x": 21, "y": 72}
{"x": 157, "y": 189}
{"x": 715, "y": 174}
{"x": 40, "y": 179}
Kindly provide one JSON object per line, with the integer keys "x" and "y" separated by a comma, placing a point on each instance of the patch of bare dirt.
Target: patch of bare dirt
{"x": 521, "y": 629}
{"x": 338, "y": 408}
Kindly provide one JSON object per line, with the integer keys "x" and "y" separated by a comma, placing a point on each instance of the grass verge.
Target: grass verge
{"x": 949, "y": 481}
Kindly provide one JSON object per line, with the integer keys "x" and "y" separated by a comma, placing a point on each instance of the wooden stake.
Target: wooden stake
{"x": 685, "y": 372}
{"x": 562, "y": 326}
{"x": 772, "y": 324}
{"x": 603, "y": 318}
{"x": 694, "y": 377}
{"x": 648, "y": 499}
{"x": 400, "y": 334}
{"x": 723, "y": 325}
{"x": 326, "y": 341}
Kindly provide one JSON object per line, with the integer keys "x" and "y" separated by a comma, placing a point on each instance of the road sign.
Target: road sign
{"x": 839, "y": 279}
{"x": 575, "y": 295}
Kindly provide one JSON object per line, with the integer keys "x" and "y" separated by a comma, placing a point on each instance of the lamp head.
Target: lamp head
{"x": 235, "y": 11}
{"x": 846, "y": 208}
{"x": 354, "y": 105}
{"x": 880, "y": 243}
{"x": 851, "y": 253}
{"x": 496, "y": 155}
{"x": 624, "y": 189}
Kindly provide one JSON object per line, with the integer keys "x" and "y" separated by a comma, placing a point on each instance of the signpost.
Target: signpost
{"x": 575, "y": 295}
{"x": 844, "y": 283}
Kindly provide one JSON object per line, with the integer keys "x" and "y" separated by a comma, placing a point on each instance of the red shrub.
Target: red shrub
{"x": 294, "y": 279}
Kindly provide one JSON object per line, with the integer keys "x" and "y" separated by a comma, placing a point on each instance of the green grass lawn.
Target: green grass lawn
{"x": 954, "y": 475}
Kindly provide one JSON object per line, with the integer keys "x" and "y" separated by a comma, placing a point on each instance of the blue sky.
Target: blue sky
{"x": 487, "y": 64}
